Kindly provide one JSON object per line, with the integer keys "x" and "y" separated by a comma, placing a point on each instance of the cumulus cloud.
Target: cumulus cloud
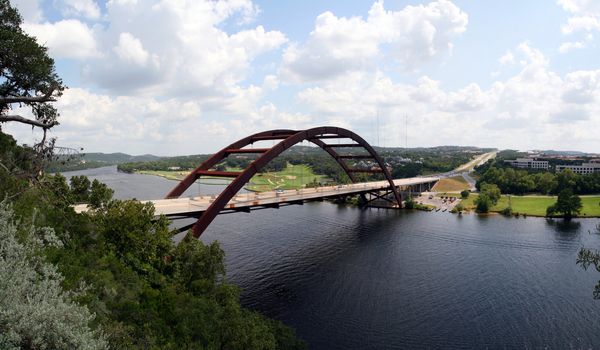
{"x": 537, "y": 105}
{"x": 79, "y": 8}
{"x": 68, "y": 38}
{"x": 188, "y": 54}
{"x": 584, "y": 18}
{"x": 338, "y": 44}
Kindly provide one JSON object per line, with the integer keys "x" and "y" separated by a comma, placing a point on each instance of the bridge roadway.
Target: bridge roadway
{"x": 194, "y": 206}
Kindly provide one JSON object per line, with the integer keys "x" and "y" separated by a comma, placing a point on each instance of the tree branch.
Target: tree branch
{"x": 26, "y": 99}
{"x": 18, "y": 118}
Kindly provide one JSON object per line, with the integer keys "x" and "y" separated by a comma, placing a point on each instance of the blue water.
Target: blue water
{"x": 347, "y": 278}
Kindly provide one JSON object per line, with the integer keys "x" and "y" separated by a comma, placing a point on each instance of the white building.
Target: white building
{"x": 528, "y": 163}
{"x": 585, "y": 168}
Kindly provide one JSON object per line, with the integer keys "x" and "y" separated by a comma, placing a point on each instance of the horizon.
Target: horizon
{"x": 510, "y": 75}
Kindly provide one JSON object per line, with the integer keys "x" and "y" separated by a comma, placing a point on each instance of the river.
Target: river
{"x": 347, "y": 278}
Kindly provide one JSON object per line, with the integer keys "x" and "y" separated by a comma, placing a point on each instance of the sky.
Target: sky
{"x": 176, "y": 77}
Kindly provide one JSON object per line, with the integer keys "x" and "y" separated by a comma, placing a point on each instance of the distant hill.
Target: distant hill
{"x": 95, "y": 160}
{"x": 118, "y": 158}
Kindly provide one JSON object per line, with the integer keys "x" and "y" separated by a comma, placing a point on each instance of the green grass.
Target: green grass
{"x": 451, "y": 184}
{"x": 536, "y": 205}
{"x": 290, "y": 178}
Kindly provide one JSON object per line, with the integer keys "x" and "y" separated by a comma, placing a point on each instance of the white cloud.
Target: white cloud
{"x": 188, "y": 54}
{"x": 584, "y": 18}
{"x": 68, "y": 38}
{"x": 338, "y": 44}
{"x": 535, "y": 108}
{"x": 507, "y": 59}
{"x": 79, "y": 8}
{"x": 570, "y": 45}
{"x": 130, "y": 50}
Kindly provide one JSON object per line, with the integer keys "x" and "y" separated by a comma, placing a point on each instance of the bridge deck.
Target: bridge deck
{"x": 197, "y": 205}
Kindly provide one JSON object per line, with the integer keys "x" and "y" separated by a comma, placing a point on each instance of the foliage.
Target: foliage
{"x": 590, "y": 257}
{"x": 483, "y": 203}
{"x": 145, "y": 291}
{"x": 465, "y": 194}
{"x": 514, "y": 181}
{"x": 409, "y": 203}
{"x": 491, "y": 191}
{"x": 27, "y": 78}
{"x": 459, "y": 208}
{"x": 507, "y": 211}
{"x": 36, "y": 312}
{"x": 567, "y": 204}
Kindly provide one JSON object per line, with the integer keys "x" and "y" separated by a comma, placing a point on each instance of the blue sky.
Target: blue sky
{"x": 181, "y": 77}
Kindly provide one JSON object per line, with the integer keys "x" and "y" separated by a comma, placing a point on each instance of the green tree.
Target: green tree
{"x": 409, "y": 203}
{"x": 491, "y": 191}
{"x": 483, "y": 203}
{"x": 100, "y": 194}
{"x": 80, "y": 188}
{"x": 546, "y": 182}
{"x": 566, "y": 179}
{"x": 465, "y": 194}
{"x": 567, "y": 204}
{"x": 590, "y": 257}
{"x": 130, "y": 229}
{"x": 27, "y": 78}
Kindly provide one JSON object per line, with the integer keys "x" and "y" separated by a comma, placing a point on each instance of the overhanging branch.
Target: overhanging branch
{"x": 26, "y": 99}
{"x": 18, "y": 118}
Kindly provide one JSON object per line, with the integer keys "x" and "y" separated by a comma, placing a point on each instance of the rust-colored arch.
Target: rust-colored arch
{"x": 288, "y": 139}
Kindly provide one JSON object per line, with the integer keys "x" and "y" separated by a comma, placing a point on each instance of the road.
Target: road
{"x": 245, "y": 201}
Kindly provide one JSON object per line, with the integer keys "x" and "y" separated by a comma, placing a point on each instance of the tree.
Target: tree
{"x": 100, "y": 194}
{"x": 80, "y": 188}
{"x": 483, "y": 203}
{"x": 590, "y": 257}
{"x": 27, "y": 78}
{"x": 566, "y": 179}
{"x": 491, "y": 191}
{"x": 36, "y": 312}
{"x": 464, "y": 194}
{"x": 568, "y": 204}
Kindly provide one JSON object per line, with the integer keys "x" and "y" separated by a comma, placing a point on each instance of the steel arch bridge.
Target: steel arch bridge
{"x": 287, "y": 139}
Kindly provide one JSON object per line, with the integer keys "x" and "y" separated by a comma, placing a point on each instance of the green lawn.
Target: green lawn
{"x": 290, "y": 178}
{"x": 451, "y": 184}
{"x": 536, "y": 205}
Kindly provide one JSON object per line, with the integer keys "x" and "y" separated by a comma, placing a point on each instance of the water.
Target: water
{"x": 347, "y": 278}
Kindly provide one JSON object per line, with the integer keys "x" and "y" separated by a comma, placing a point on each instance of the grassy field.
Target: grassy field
{"x": 536, "y": 205}
{"x": 451, "y": 184}
{"x": 292, "y": 177}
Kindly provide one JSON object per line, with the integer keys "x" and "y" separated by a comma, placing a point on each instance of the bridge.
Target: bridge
{"x": 206, "y": 208}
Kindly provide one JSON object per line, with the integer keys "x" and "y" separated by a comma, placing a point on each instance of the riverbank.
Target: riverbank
{"x": 291, "y": 178}
{"x": 531, "y": 205}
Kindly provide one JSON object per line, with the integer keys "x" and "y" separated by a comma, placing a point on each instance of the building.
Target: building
{"x": 583, "y": 169}
{"x": 529, "y": 163}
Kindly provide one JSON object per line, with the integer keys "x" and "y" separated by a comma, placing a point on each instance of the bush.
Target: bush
{"x": 483, "y": 203}
{"x": 507, "y": 211}
{"x": 458, "y": 208}
{"x": 409, "y": 203}
{"x": 36, "y": 312}
{"x": 465, "y": 194}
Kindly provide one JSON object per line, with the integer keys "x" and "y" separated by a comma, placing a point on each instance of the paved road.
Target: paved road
{"x": 181, "y": 206}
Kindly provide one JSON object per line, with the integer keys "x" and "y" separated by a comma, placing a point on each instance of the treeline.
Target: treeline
{"x": 112, "y": 277}
{"x": 515, "y": 181}
{"x": 422, "y": 161}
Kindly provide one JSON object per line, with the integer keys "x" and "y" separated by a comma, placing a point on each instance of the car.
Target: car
{"x": 279, "y": 190}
